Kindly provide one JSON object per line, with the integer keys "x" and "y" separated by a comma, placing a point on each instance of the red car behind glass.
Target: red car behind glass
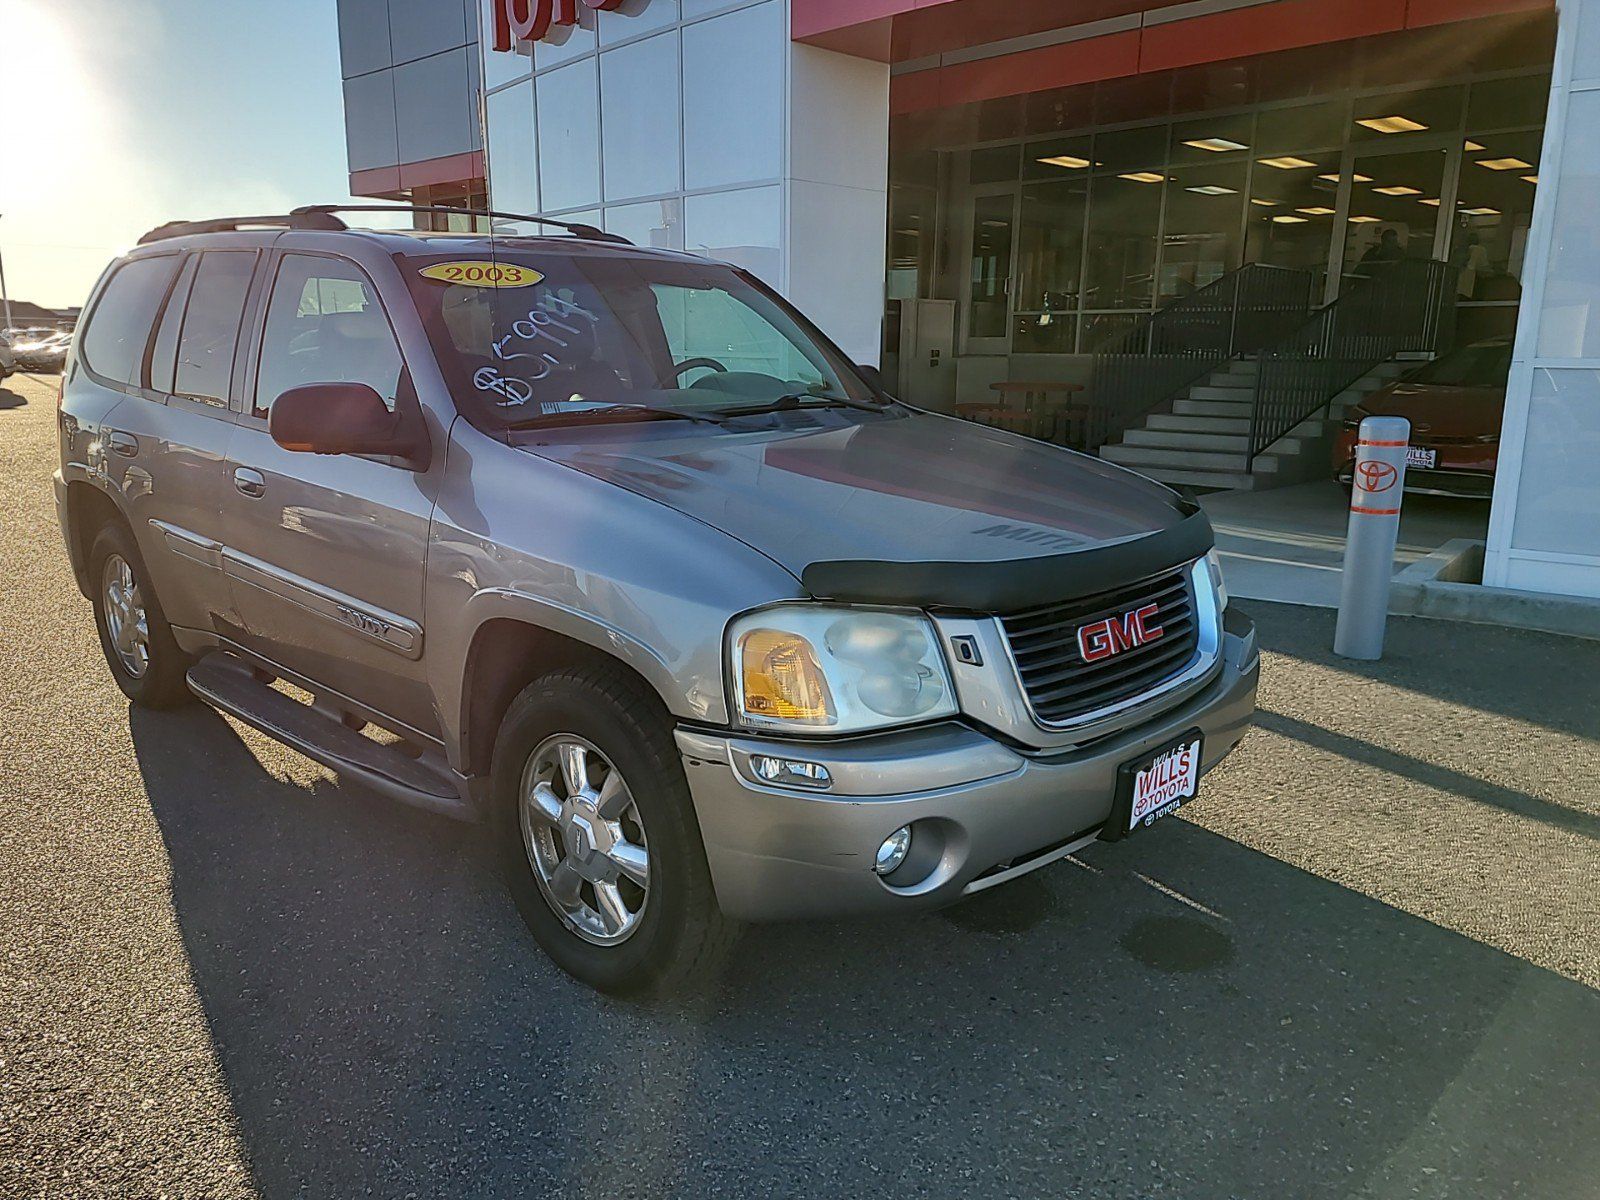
{"x": 1454, "y": 404}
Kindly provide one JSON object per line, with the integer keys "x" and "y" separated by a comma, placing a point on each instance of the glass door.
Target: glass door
{"x": 991, "y": 242}
{"x": 1390, "y": 200}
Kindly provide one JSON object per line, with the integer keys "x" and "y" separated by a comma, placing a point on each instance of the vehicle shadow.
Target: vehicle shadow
{"x": 1173, "y": 1016}
{"x": 10, "y": 399}
{"x": 1426, "y": 656}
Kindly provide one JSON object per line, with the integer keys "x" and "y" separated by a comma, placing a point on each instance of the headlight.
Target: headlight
{"x": 837, "y": 670}
{"x": 1214, "y": 565}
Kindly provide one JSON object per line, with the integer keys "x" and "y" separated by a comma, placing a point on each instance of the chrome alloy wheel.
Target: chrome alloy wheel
{"x": 584, "y": 839}
{"x": 126, "y": 619}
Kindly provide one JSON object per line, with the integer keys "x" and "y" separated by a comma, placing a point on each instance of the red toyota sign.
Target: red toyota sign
{"x": 1374, "y": 476}
{"x": 529, "y": 20}
{"x": 1102, "y": 639}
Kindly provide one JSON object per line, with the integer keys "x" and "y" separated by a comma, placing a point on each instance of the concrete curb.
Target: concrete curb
{"x": 1445, "y": 585}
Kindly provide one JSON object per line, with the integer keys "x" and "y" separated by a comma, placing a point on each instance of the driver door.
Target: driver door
{"x": 326, "y": 553}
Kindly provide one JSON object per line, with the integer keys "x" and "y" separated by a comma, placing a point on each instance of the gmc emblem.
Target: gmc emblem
{"x": 1102, "y": 639}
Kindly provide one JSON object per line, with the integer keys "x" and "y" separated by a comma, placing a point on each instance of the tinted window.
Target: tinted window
{"x": 164, "y": 353}
{"x": 119, "y": 328}
{"x": 325, "y": 325}
{"x": 211, "y": 325}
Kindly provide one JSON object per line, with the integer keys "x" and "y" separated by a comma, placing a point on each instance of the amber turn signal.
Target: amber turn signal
{"x": 781, "y": 678}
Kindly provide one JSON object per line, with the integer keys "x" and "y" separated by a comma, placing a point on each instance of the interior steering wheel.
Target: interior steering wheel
{"x": 689, "y": 364}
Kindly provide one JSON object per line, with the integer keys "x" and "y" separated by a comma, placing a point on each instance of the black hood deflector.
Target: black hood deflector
{"x": 1010, "y": 585}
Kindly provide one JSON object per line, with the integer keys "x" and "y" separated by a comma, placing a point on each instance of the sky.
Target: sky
{"x": 148, "y": 111}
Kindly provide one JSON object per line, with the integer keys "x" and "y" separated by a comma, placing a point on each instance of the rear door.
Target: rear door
{"x": 168, "y": 440}
{"x": 196, "y": 364}
{"x": 326, "y": 552}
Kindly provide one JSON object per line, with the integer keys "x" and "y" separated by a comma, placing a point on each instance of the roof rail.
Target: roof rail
{"x": 295, "y": 220}
{"x": 576, "y": 228}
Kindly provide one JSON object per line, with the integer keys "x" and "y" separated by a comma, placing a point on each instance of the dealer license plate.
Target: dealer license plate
{"x": 1157, "y": 784}
{"x": 1416, "y": 456}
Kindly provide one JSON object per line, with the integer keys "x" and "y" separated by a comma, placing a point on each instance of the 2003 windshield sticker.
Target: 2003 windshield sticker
{"x": 474, "y": 273}
{"x": 534, "y": 343}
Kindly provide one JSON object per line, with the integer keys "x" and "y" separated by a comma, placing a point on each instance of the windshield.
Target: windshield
{"x": 550, "y": 335}
{"x": 1483, "y": 364}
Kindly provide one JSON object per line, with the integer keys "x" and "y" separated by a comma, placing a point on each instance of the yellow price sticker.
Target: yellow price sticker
{"x": 473, "y": 273}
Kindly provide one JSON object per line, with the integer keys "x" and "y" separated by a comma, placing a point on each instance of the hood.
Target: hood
{"x": 904, "y": 508}
{"x": 1439, "y": 410}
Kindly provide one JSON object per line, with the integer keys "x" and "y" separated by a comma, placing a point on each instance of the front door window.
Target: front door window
{"x": 325, "y": 325}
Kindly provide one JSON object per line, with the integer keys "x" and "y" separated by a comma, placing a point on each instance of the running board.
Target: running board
{"x": 228, "y": 683}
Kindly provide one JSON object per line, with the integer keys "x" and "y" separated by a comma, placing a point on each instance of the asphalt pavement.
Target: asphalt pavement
{"x": 1364, "y": 964}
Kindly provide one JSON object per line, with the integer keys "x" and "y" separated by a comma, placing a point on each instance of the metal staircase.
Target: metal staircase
{"x": 1266, "y": 419}
{"x": 1143, "y": 368}
{"x": 1205, "y": 440}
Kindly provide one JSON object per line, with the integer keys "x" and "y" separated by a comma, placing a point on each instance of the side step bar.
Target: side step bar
{"x": 226, "y": 682}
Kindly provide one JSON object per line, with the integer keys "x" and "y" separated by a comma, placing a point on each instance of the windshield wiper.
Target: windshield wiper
{"x": 796, "y": 400}
{"x": 610, "y": 412}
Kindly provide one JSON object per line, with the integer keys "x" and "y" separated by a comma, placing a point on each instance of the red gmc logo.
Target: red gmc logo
{"x": 529, "y": 20}
{"x": 1102, "y": 639}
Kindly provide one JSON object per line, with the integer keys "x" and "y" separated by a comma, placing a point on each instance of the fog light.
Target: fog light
{"x": 893, "y": 851}
{"x": 792, "y": 772}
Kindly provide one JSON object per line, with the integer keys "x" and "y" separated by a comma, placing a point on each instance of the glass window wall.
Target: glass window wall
{"x": 1076, "y": 234}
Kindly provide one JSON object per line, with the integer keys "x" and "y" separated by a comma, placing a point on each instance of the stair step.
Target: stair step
{"x": 1175, "y": 439}
{"x": 1206, "y": 391}
{"x": 1231, "y": 379}
{"x": 1140, "y": 457}
{"x": 1178, "y": 422}
{"x": 1185, "y": 439}
{"x": 226, "y": 682}
{"x": 1212, "y": 408}
{"x": 1236, "y": 481}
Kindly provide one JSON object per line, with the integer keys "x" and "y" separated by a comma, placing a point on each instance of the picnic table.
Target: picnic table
{"x": 1045, "y": 409}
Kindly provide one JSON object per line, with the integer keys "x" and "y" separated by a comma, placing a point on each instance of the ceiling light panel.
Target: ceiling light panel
{"x": 1394, "y": 124}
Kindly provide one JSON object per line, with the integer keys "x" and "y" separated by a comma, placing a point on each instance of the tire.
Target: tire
{"x": 159, "y": 682}
{"x": 669, "y": 936}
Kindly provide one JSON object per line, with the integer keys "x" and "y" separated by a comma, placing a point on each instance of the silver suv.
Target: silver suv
{"x": 611, "y": 549}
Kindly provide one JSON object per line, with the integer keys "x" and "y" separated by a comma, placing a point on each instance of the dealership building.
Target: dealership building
{"x": 1184, "y": 236}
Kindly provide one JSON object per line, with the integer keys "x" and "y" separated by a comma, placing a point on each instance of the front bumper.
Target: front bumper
{"x": 992, "y": 811}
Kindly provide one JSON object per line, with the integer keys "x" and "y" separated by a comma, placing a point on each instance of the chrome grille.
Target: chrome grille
{"x": 1061, "y": 686}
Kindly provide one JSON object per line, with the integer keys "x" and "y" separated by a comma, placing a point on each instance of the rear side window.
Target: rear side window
{"x": 325, "y": 325}
{"x": 211, "y": 325}
{"x": 119, "y": 328}
{"x": 164, "y": 351}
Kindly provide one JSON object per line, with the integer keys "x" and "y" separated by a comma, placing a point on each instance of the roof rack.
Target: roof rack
{"x": 576, "y": 228}
{"x": 295, "y": 220}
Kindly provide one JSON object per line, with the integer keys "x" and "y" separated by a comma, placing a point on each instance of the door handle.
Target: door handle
{"x": 124, "y": 444}
{"x": 251, "y": 483}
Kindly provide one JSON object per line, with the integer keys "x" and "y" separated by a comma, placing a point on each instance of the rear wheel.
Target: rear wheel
{"x": 139, "y": 647}
{"x": 602, "y": 850}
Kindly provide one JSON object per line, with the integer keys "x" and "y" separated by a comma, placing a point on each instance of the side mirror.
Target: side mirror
{"x": 872, "y": 375}
{"x": 341, "y": 418}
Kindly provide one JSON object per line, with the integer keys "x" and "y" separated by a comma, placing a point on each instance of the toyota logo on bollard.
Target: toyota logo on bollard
{"x": 1376, "y": 476}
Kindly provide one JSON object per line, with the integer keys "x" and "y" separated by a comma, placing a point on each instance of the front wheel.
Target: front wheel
{"x": 602, "y": 850}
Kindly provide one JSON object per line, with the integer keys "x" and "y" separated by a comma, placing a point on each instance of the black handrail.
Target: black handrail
{"x": 1398, "y": 307}
{"x": 1174, "y": 346}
